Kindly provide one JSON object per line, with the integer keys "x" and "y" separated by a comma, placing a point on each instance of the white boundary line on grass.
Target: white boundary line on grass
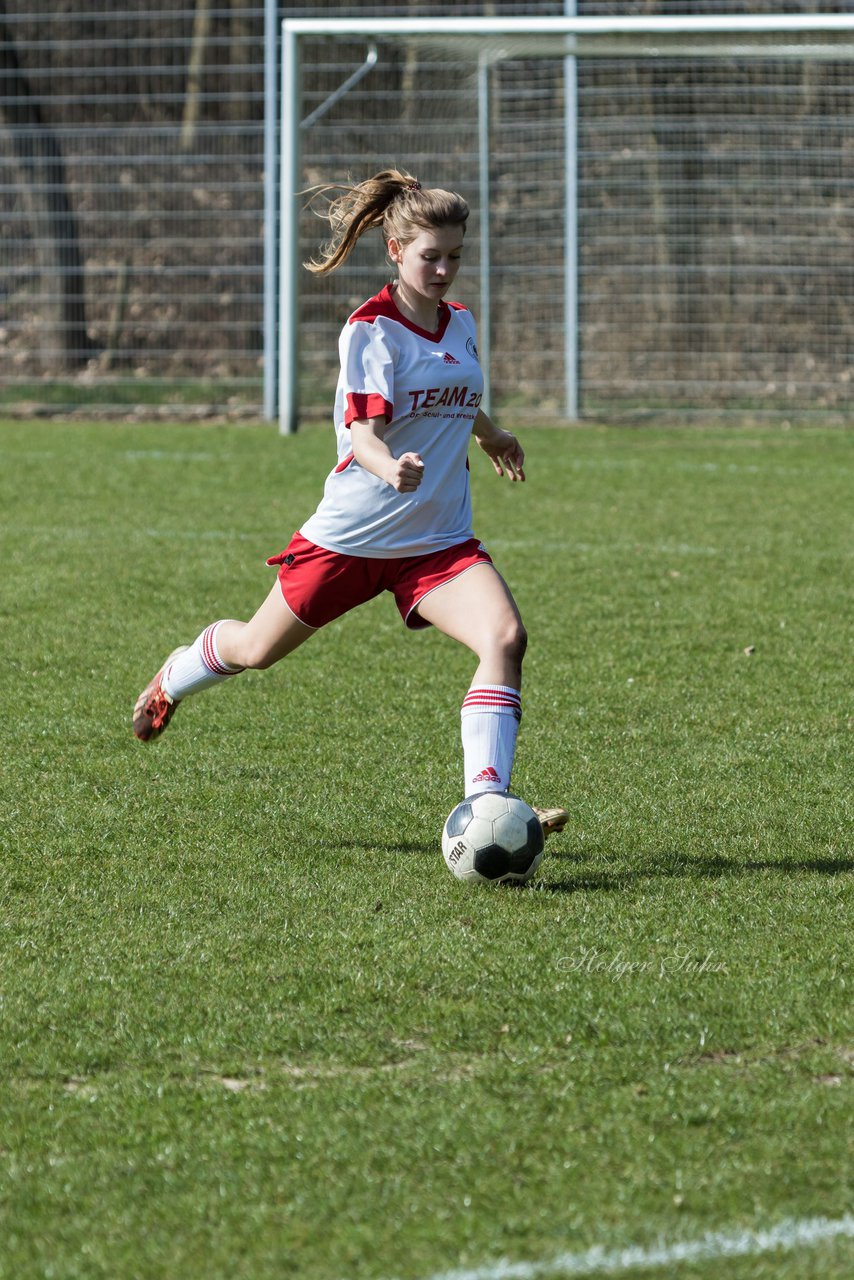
{"x": 790, "y": 1233}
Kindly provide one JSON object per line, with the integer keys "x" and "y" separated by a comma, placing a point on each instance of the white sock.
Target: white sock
{"x": 490, "y": 723}
{"x": 197, "y": 667}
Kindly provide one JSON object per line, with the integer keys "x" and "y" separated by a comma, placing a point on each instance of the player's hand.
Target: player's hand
{"x": 406, "y": 472}
{"x": 506, "y": 454}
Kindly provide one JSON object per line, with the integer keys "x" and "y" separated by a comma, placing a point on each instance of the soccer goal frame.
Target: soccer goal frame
{"x": 491, "y": 39}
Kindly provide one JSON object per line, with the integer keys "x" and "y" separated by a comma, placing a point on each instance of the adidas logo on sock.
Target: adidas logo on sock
{"x": 487, "y": 775}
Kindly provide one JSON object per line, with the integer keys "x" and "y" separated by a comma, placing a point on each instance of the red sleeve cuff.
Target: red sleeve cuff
{"x": 366, "y": 405}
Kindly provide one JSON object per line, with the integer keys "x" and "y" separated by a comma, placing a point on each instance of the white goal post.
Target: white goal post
{"x": 488, "y": 41}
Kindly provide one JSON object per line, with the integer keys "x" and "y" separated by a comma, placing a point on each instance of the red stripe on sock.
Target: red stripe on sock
{"x": 209, "y": 657}
{"x": 494, "y": 691}
{"x": 487, "y": 699}
{"x": 492, "y": 697}
{"x": 490, "y": 700}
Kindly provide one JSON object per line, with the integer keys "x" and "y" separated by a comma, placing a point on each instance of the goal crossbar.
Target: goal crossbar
{"x": 525, "y": 31}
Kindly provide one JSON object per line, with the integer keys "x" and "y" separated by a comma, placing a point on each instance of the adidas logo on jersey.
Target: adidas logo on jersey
{"x": 447, "y": 358}
{"x": 487, "y": 775}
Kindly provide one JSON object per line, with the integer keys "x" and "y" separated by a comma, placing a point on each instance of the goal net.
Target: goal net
{"x": 662, "y": 208}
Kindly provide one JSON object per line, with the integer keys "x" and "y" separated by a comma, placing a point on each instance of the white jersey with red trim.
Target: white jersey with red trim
{"x": 428, "y": 387}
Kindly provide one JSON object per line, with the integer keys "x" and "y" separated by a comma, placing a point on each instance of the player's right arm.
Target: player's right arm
{"x": 371, "y": 452}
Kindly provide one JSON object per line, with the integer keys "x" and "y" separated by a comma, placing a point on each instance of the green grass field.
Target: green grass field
{"x": 250, "y": 1026}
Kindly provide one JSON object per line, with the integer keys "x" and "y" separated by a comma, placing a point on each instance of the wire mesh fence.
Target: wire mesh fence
{"x": 714, "y": 212}
{"x": 130, "y": 196}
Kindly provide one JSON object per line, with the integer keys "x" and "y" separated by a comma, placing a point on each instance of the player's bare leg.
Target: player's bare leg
{"x": 477, "y": 609}
{"x": 270, "y": 635}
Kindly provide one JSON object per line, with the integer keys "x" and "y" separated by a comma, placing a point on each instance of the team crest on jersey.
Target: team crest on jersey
{"x": 471, "y": 348}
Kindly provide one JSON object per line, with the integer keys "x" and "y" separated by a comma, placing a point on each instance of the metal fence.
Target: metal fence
{"x": 131, "y": 190}
{"x": 714, "y": 215}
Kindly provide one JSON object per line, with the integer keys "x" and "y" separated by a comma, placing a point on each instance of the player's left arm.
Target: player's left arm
{"x": 501, "y": 447}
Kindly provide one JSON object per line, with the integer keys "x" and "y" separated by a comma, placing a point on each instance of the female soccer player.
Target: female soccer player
{"x": 396, "y": 511}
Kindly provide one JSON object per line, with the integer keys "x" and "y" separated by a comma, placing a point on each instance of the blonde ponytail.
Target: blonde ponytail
{"x": 391, "y": 200}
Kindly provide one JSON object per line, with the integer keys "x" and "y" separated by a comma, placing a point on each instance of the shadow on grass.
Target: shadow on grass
{"x": 384, "y": 846}
{"x": 651, "y": 867}
{"x": 676, "y": 864}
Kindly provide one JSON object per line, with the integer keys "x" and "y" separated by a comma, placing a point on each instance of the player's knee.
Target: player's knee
{"x": 262, "y": 663}
{"x": 256, "y": 656}
{"x": 514, "y": 640}
{"x": 520, "y": 642}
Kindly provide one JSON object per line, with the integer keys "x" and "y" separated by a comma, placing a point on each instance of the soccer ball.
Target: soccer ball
{"x": 493, "y": 837}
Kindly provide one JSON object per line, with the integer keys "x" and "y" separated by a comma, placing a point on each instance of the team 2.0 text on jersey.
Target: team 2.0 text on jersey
{"x": 448, "y": 397}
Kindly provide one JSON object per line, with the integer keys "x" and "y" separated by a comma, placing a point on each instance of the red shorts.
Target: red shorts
{"x": 320, "y": 585}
